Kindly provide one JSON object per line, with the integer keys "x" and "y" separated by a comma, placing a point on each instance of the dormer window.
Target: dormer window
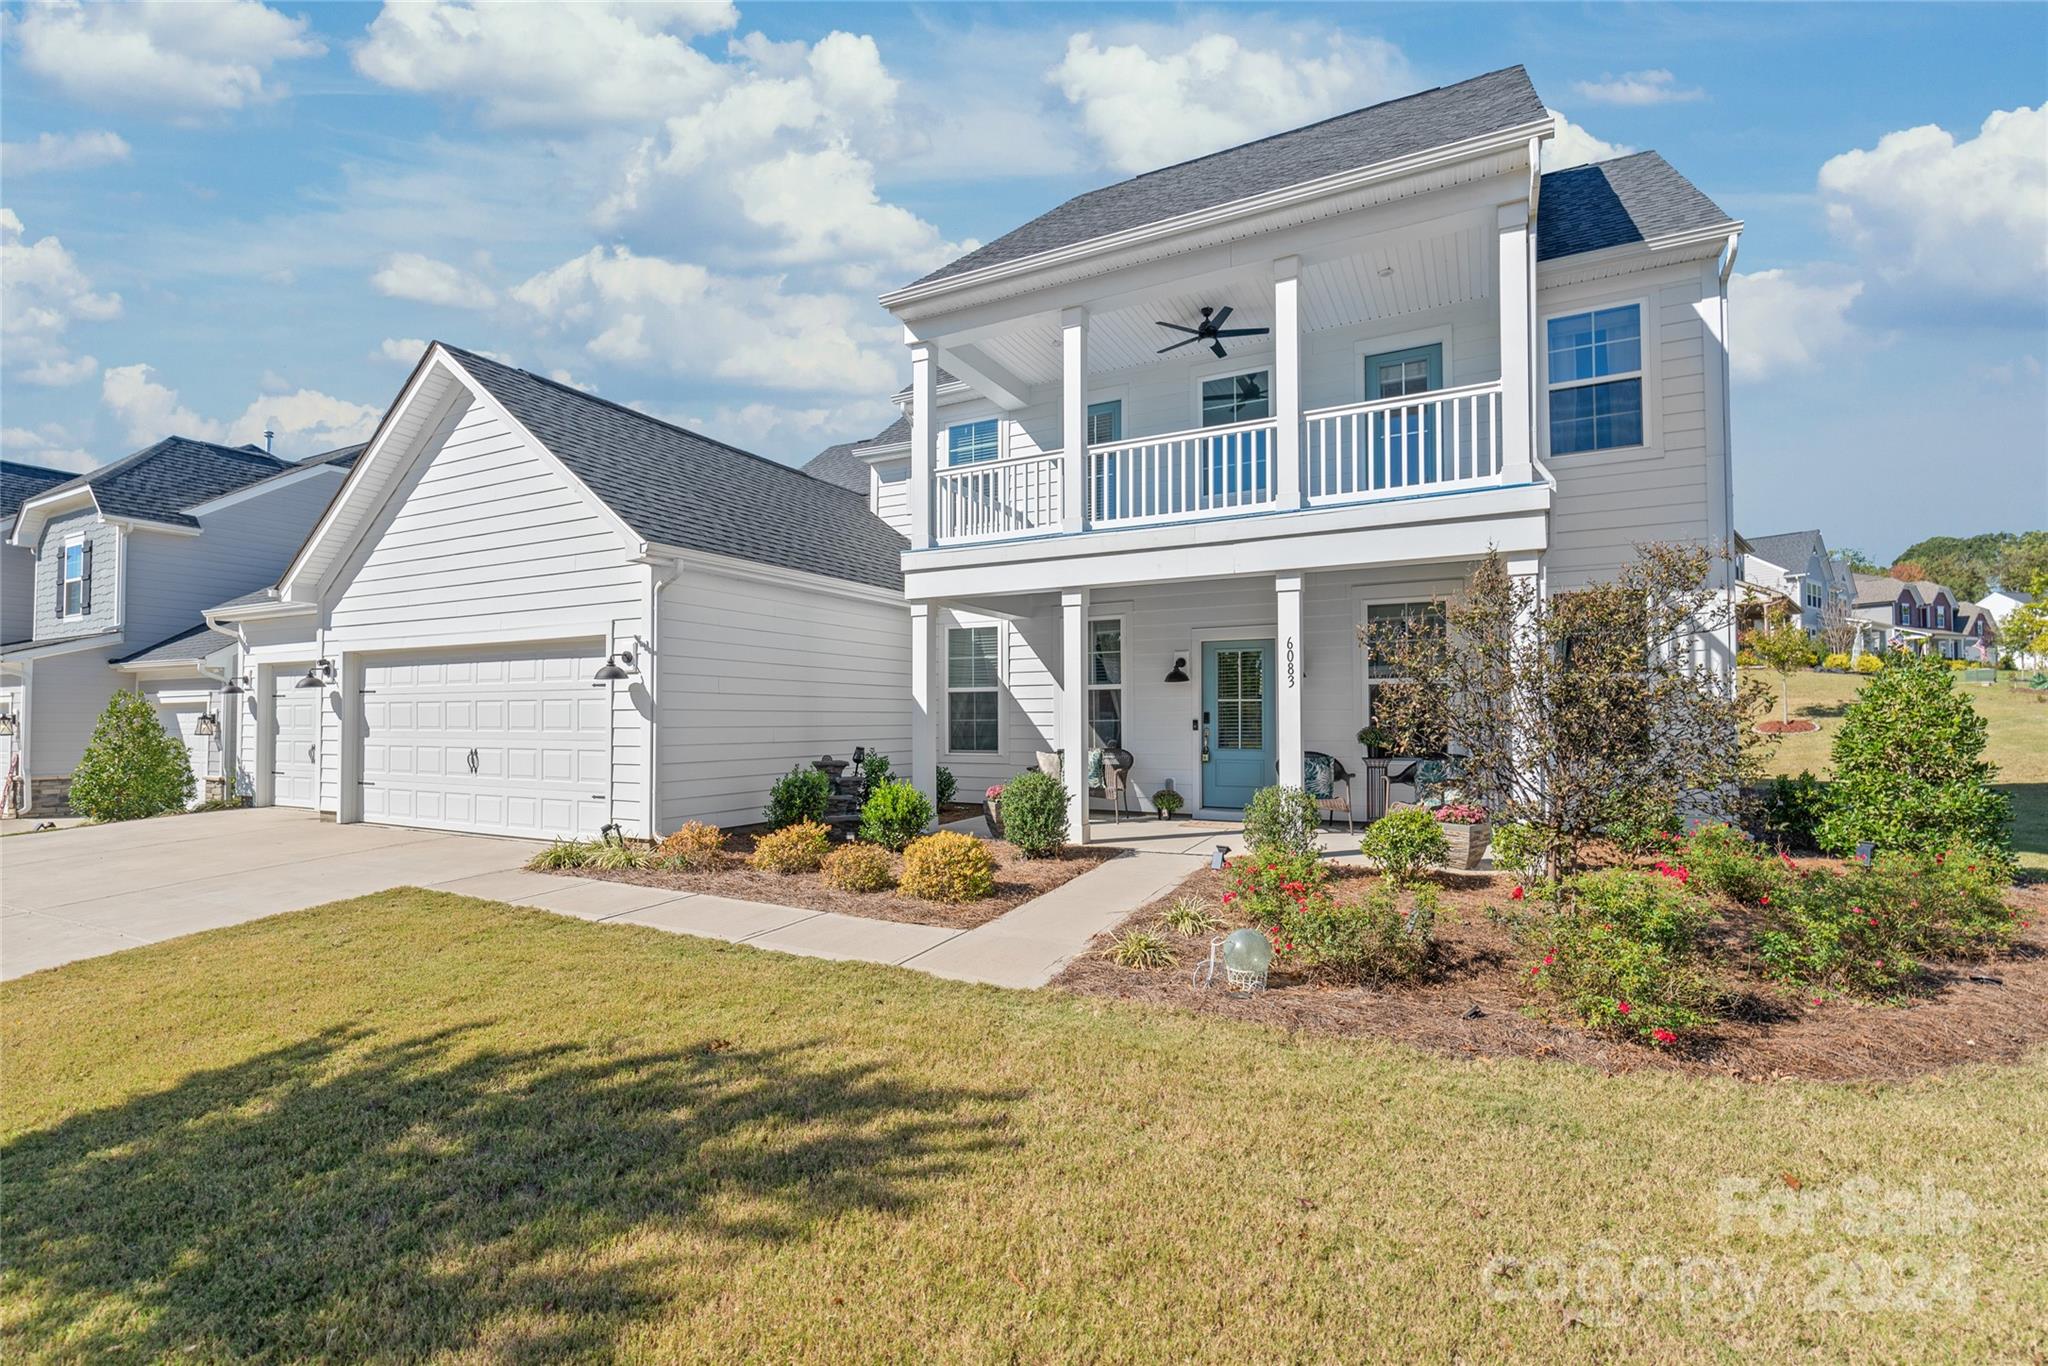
{"x": 74, "y": 593}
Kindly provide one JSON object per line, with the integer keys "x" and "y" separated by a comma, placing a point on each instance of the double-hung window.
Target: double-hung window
{"x": 1106, "y": 683}
{"x": 972, "y": 442}
{"x": 1389, "y": 624}
{"x": 73, "y": 586}
{"x": 1234, "y": 465}
{"x": 1596, "y": 379}
{"x": 1237, "y": 398}
{"x": 973, "y": 699}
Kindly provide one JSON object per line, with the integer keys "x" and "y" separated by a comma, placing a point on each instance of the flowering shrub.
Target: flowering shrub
{"x": 1461, "y": 813}
{"x": 1266, "y": 889}
{"x": 1621, "y": 952}
{"x": 798, "y": 848}
{"x": 1378, "y": 940}
{"x": 1282, "y": 820}
{"x": 1838, "y": 661}
{"x": 695, "y": 844}
{"x": 1035, "y": 814}
{"x": 1866, "y": 931}
{"x": 1406, "y": 845}
{"x": 1638, "y": 823}
{"x": 894, "y": 815}
{"x": 1727, "y": 861}
{"x": 948, "y": 866}
{"x": 994, "y": 795}
{"x": 858, "y": 868}
{"x": 1867, "y": 664}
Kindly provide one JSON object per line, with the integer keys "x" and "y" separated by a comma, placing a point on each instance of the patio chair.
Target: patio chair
{"x": 1324, "y": 775}
{"x": 1109, "y": 775}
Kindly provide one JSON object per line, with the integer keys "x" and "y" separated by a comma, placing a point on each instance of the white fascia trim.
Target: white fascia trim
{"x": 875, "y": 455}
{"x": 1648, "y": 254}
{"x": 144, "y": 524}
{"x": 1507, "y": 139}
{"x": 43, "y": 505}
{"x": 257, "y": 611}
{"x": 158, "y": 669}
{"x": 282, "y": 479}
{"x": 103, "y": 640}
{"x": 792, "y": 578}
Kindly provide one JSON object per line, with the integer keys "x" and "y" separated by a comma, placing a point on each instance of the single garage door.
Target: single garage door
{"x": 295, "y": 739}
{"x": 504, "y": 741}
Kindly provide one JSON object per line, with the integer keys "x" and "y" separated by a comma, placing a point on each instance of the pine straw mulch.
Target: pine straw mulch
{"x": 1018, "y": 880}
{"x": 1477, "y": 1001}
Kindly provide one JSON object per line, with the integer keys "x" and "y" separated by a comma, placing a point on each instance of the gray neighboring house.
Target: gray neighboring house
{"x": 121, "y": 562}
{"x": 1798, "y": 567}
{"x": 1923, "y": 616}
{"x": 18, "y": 483}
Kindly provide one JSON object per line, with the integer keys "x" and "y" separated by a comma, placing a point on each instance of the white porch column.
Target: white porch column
{"x": 1074, "y": 419}
{"x": 1517, "y": 345}
{"x": 1288, "y": 642}
{"x": 1073, "y": 710}
{"x": 1287, "y": 382}
{"x": 924, "y": 727}
{"x": 924, "y": 440}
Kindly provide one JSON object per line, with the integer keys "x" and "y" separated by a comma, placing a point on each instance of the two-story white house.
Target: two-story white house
{"x": 1171, "y": 444}
{"x": 124, "y": 560}
{"x": 18, "y": 483}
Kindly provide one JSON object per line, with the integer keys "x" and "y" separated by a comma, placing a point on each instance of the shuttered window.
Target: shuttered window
{"x": 74, "y": 597}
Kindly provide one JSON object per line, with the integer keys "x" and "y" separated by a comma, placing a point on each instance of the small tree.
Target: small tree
{"x": 1909, "y": 771}
{"x": 2025, "y": 630}
{"x": 132, "y": 767}
{"x": 1551, "y": 703}
{"x": 1783, "y": 648}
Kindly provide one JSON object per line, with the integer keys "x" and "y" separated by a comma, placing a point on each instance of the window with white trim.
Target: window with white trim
{"x": 973, "y": 696}
{"x": 1106, "y": 683}
{"x": 1595, "y": 379}
{"x": 73, "y": 598}
{"x": 969, "y": 443}
{"x": 1402, "y": 620}
{"x": 1237, "y": 398}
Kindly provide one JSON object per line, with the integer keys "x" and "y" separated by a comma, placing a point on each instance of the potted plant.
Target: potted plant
{"x": 992, "y": 810}
{"x": 1166, "y": 801}
{"x": 1374, "y": 741}
{"x": 1465, "y": 826}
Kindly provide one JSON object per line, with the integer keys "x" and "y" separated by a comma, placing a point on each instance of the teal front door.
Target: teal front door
{"x": 1237, "y": 721}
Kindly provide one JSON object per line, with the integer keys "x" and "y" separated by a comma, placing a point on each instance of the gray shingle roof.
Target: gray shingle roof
{"x": 897, "y": 433}
{"x": 194, "y": 642}
{"x": 1613, "y": 203}
{"x": 19, "y": 483}
{"x": 677, "y": 488}
{"x": 839, "y": 465}
{"x": 1364, "y": 137}
{"x": 159, "y": 482}
{"x": 1788, "y": 549}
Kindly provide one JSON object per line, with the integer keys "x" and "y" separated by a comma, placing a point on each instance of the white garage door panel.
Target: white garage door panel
{"x": 508, "y": 742}
{"x": 295, "y": 740}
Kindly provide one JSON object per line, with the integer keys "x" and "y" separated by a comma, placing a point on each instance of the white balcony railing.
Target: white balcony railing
{"x": 996, "y": 498}
{"x": 1181, "y": 476}
{"x": 1440, "y": 441}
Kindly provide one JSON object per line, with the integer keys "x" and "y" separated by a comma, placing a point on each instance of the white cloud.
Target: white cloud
{"x": 783, "y": 431}
{"x": 651, "y": 313}
{"x": 400, "y": 350}
{"x": 42, "y": 292}
{"x": 1574, "y": 146}
{"x": 549, "y": 65}
{"x": 409, "y": 275}
{"x": 1655, "y": 86}
{"x": 1942, "y": 221}
{"x": 63, "y": 152}
{"x": 1780, "y": 323}
{"x": 306, "y": 421}
{"x": 181, "y": 59}
{"x": 49, "y": 446}
{"x": 1165, "y": 96}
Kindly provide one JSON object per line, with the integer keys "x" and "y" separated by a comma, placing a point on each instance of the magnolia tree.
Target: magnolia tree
{"x": 1551, "y": 705}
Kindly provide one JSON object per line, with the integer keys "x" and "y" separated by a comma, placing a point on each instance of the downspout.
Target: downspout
{"x": 660, "y": 574}
{"x": 1728, "y": 421}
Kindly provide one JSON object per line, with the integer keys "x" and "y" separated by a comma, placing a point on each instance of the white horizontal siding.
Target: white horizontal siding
{"x": 760, "y": 676}
{"x": 892, "y": 496}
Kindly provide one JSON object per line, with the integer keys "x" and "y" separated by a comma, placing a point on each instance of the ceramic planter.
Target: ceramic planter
{"x": 1468, "y": 843}
{"x": 992, "y": 812}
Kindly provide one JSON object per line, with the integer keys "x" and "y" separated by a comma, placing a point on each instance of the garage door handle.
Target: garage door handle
{"x": 472, "y": 761}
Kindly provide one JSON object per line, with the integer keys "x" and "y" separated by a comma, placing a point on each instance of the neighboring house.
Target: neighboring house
{"x": 1925, "y": 617}
{"x": 533, "y": 612}
{"x": 18, "y": 483}
{"x": 1126, "y": 531}
{"x": 126, "y": 557}
{"x": 1795, "y": 566}
{"x": 1999, "y": 604}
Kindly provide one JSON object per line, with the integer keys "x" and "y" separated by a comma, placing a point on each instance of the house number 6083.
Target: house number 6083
{"x": 1290, "y": 661}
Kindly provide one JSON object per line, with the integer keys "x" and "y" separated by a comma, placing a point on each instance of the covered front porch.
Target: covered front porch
{"x": 1216, "y": 687}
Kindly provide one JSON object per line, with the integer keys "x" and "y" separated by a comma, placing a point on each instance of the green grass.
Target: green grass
{"x": 415, "y": 1125}
{"x": 2018, "y": 745}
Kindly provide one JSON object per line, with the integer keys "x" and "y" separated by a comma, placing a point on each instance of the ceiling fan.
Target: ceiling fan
{"x": 1211, "y": 329}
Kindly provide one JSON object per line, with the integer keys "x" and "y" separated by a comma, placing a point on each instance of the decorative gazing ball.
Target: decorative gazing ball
{"x": 1247, "y": 951}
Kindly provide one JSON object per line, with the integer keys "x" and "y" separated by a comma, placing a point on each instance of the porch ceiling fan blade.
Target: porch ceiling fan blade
{"x": 1222, "y": 316}
{"x": 1217, "y": 347}
{"x": 1244, "y": 332}
{"x": 1178, "y": 345}
{"x": 1191, "y": 331}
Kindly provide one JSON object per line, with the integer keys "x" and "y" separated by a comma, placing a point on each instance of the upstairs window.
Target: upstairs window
{"x": 75, "y": 596}
{"x": 1237, "y": 398}
{"x": 1105, "y": 422}
{"x": 971, "y": 442}
{"x": 1596, "y": 380}
{"x": 972, "y": 701}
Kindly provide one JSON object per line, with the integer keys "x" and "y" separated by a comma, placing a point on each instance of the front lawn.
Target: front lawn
{"x": 419, "y": 1125}
{"x": 2018, "y": 745}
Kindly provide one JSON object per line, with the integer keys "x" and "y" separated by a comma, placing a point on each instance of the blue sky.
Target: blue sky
{"x": 225, "y": 217}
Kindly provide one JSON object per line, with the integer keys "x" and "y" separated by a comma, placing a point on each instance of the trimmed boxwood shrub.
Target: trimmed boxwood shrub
{"x": 1282, "y": 820}
{"x": 948, "y": 866}
{"x": 695, "y": 844}
{"x": 132, "y": 767}
{"x": 1407, "y": 845}
{"x": 859, "y": 868}
{"x": 947, "y": 785}
{"x": 895, "y": 814}
{"x": 798, "y": 848}
{"x": 1035, "y": 814}
{"x": 798, "y": 795}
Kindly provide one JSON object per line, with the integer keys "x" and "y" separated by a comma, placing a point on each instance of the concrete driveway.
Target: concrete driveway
{"x": 78, "y": 893}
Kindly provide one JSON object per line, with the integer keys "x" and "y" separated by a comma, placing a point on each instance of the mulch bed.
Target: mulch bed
{"x": 1476, "y": 1001}
{"x": 1787, "y": 727}
{"x": 1018, "y": 880}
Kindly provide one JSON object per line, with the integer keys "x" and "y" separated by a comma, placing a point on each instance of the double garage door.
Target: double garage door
{"x": 500, "y": 741}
